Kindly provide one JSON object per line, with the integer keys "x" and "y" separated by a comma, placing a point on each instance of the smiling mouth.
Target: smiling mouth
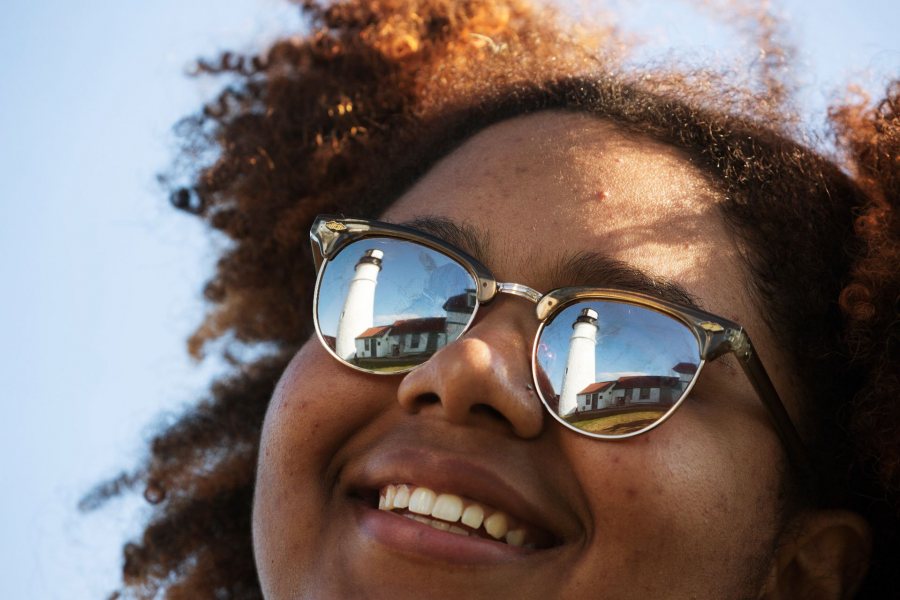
{"x": 460, "y": 516}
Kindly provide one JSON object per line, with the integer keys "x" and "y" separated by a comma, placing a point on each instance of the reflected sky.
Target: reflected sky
{"x": 414, "y": 282}
{"x": 631, "y": 340}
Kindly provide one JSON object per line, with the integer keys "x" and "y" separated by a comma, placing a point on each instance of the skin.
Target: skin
{"x": 689, "y": 510}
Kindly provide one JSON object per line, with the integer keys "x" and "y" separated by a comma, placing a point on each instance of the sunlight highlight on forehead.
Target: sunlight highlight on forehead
{"x": 559, "y": 181}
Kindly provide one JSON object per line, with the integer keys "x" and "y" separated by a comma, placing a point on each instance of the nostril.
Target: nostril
{"x": 423, "y": 400}
{"x": 490, "y": 411}
{"x": 429, "y": 399}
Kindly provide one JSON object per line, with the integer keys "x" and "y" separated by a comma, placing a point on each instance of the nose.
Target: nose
{"x": 485, "y": 375}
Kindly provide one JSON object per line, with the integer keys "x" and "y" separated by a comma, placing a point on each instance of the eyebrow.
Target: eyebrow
{"x": 583, "y": 268}
{"x": 467, "y": 238}
{"x": 595, "y": 269}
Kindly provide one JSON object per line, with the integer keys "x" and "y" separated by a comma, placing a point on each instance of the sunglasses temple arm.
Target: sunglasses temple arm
{"x": 758, "y": 377}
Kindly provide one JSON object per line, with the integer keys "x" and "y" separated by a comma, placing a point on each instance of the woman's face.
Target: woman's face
{"x": 689, "y": 510}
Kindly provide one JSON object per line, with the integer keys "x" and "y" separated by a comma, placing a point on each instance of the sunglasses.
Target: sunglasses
{"x": 606, "y": 363}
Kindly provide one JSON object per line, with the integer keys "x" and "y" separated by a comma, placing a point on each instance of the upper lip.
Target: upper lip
{"x": 497, "y": 483}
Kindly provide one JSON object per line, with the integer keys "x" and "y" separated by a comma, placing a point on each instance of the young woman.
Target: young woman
{"x": 517, "y": 360}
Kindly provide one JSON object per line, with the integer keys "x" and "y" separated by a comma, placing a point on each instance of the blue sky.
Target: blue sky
{"x": 101, "y": 279}
{"x": 630, "y": 341}
{"x": 413, "y": 283}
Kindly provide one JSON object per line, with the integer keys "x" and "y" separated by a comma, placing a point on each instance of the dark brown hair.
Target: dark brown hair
{"x": 346, "y": 117}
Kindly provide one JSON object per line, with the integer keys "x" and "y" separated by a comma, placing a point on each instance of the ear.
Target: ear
{"x": 822, "y": 554}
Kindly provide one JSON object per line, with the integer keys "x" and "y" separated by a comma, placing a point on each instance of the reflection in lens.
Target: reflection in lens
{"x": 388, "y": 305}
{"x": 613, "y": 368}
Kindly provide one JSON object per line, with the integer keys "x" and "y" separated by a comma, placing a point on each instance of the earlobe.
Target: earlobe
{"x": 823, "y": 554}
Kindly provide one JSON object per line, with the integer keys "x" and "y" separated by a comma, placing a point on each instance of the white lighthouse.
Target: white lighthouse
{"x": 580, "y": 367}
{"x": 359, "y": 306}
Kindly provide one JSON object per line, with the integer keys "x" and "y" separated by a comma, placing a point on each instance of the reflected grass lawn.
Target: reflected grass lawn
{"x": 392, "y": 368}
{"x": 623, "y": 422}
{"x": 386, "y": 365}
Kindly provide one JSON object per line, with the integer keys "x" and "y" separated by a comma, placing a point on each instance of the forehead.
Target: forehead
{"x": 552, "y": 184}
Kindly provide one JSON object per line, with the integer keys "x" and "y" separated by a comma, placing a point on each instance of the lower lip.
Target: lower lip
{"x": 421, "y": 541}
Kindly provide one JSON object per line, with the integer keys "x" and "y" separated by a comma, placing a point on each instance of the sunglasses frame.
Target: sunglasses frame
{"x": 715, "y": 335}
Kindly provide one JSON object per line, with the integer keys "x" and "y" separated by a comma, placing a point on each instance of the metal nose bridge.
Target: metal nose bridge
{"x": 517, "y": 289}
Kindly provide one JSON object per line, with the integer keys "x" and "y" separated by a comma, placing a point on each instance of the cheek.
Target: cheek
{"x": 316, "y": 406}
{"x": 679, "y": 504}
{"x": 296, "y": 428}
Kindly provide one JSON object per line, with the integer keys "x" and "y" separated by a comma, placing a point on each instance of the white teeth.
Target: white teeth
{"x": 447, "y": 507}
{"x": 496, "y": 525}
{"x": 422, "y": 501}
{"x": 473, "y": 516}
{"x": 515, "y": 537}
{"x": 401, "y": 500}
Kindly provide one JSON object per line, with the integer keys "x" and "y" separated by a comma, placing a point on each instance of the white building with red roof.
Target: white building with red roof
{"x": 406, "y": 337}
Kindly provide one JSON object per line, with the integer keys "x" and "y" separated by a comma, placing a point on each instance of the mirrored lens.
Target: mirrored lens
{"x": 612, "y": 368}
{"x": 387, "y": 305}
